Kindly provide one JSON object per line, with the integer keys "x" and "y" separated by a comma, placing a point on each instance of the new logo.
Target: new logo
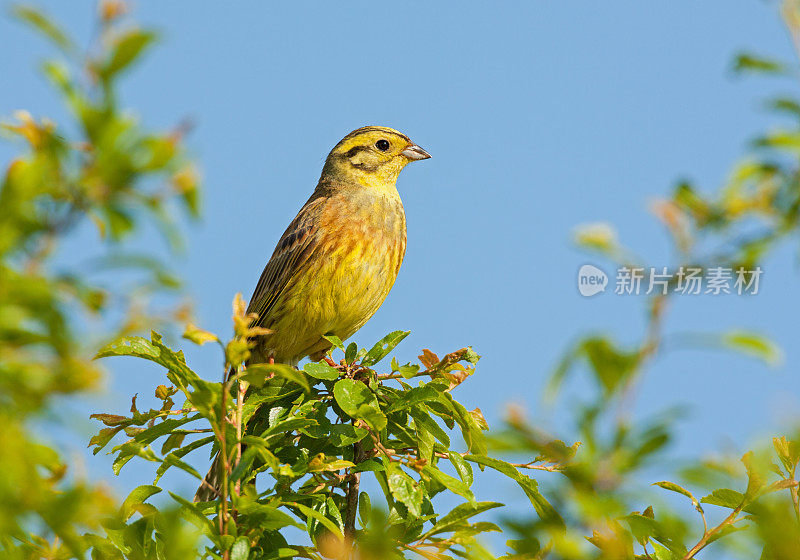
{"x": 591, "y": 280}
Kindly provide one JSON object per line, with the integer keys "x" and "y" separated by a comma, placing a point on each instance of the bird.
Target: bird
{"x": 338, "y": 259}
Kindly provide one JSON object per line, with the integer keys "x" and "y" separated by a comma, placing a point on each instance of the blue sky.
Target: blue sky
{"x": 539, "y": 116}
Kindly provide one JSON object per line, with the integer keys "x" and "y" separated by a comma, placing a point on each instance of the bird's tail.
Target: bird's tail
{"x": 209, "y": 490}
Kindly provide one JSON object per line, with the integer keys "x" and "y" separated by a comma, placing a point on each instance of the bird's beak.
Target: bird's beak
{"x": 414, "y": 152}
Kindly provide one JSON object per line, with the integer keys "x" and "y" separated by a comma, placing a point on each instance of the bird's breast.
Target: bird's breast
{"x": 359, "y": 244}
{"x": 363, "y": 246}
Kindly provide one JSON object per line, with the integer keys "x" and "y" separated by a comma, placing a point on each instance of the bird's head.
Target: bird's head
{"x": 372, "y": 156}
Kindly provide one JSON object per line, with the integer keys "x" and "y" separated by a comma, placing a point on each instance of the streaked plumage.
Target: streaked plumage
{"x": 336, "y": 262}
{"x": 338, "y": 259}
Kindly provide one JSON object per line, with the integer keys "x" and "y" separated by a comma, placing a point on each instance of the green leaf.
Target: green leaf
{"x": 178, "y": 453}
{"x": 308, "y": 512}
{"x": 127, "y": 48}
{"x": 350, "y": 353}
{"x": 755, "y": 480}
{"x": 342, "y": 435}
{"x": 611, "y": 365}
{"x": 644, "y": 528}
{"x": 425, "y": 440}
{"x": 747, "y": 62}
{"x": 383, "y": 347}
{"x": 546, "y": 511}
{"x": 240, "y": 549}
{"x": 425, "y": 422}
{"x": 405, "y": 489}
{"x": 172, "y": 460}
{"x": 364, "y": 508}
{"x": 785, "y": 140}
{"x": 663, "y": 553}
{"x": 725, "y": 531}
{"x": 358, "y": 401}
{"x": 282, "y": 552}
{"x": 266, "y": 517}
{"x": 463, "y": 468}
{"x": 370, "y": 465}
{"x": 130, "y": 449}
{"x": 258, "y": 374}
{"x": 153, "y": 350}
{"x": 334, "y": 340}
{"x": 243, "y": 467}
{"x": 666, "y": 485}
{"x": 416, "y": 395}
{"x": 333, "y": 511}
{"x": 600, "y": 237}
{"x": 785, "y": 105}
{"x": 39, "y": 21}
{"x": 321, "y": 370}
{"x": 322, "y": 462}
{"x": 137, "y": 496}
{"x": 408, "y": 370}
{"x": 453, "y": 484}
{"x": 195, "y": 515}
{"x": 724, "y": 497}
{"x": 755, "y": 345}
{"x": 205, "y": 394}
{"x": 149, "y": 435}
{"x": 788, "y": 452}
{"x": 471, "y": 430}
{"x": 198, "y": 335}
{"x": 457, "y": 516}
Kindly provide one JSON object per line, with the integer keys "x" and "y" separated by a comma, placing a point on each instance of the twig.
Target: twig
{"x": 209, "y": 486}
{"x": 703, "y": 517}
{"x": 647, "y": 350}
{"x": 241, "y": 391}
{"x": 225, "y": 466}
{"x": 708, "y": 534}
{"x": 554, "y": 467}
{"x": 352, "y": 495}
{"x": 549, "y": 467}
{"x": 387, "y": 376}
{"x": 793, "y": 491}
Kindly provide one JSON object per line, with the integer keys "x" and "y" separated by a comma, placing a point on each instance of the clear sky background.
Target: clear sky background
{"x": 539, "y": 116}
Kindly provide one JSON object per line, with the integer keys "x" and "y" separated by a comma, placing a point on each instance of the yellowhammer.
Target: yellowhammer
{"x": 338, "y": 259}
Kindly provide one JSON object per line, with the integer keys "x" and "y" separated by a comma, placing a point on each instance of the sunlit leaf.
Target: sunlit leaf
{"x": 359, "y": 402}
{"x": 405, "y": 489}
{"x": 198, "y": 335}
{"x": 321, "y": 370}
{"x": 383, "y": 347}
{"x": 754, "y": 345}
{"x": 747, "y": 62}
{"x": 127, "y": 48}
{"x": 44, "y": 25}
{"x": 458, "y": 515}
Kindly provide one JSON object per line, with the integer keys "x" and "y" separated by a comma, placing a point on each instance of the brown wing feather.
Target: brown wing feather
{"x": 291, "y": 254}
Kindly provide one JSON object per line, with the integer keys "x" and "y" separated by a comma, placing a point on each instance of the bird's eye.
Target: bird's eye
{"x": 382, "y": 145}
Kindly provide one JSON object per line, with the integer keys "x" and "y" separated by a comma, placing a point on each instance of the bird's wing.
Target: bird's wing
{"x": 290, "y": 256}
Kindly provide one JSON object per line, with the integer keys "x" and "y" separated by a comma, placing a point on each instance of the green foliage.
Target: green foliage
{"x": 309, "y": 438}
{"x": 748, "y": 507}
{"x": 115, "y": 174}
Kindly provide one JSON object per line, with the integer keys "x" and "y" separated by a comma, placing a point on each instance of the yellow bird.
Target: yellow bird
{"x": 338, "y": 259}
